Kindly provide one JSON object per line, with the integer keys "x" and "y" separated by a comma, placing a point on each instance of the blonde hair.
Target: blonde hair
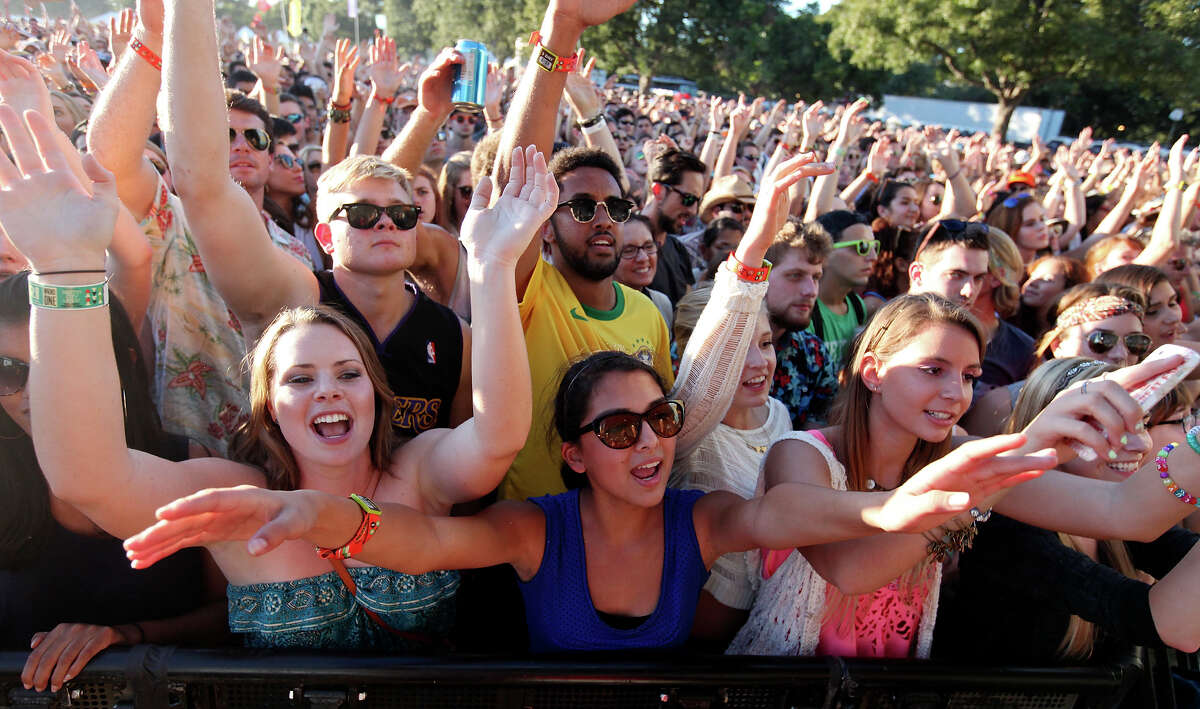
{"x": 259, "y": 440}
{"x": 343, "y": 176}
{"x": 1042, "y": 386}
{"x": 1006, "y": 266}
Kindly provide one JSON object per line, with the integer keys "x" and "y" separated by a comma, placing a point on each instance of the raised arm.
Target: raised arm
{"x": 739, "y": 123}
{"x": 385, "y": 74}
{"x": 336, "y": 135}
{"x": 433, "y": 108}
{"x": 124, "y": 114}
{"x": 1165, "y": 237}
{"x": 266, "y": 62}
{"x": 62, "y": 225}
{"x": 469, "y": 461}
{"x": 534, "y": 109}
{"x": 825, "y": 188}
{"x": 725, "y": 328}
{"x": 585, "y": 101}
{"x": 255, "y": 278}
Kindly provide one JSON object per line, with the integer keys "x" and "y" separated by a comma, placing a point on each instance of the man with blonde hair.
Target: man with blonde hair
{"x": 367, "y": 223}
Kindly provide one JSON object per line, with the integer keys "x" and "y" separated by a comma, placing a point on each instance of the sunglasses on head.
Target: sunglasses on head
{"x": 361, "y": 215}
{"x": 955, "y": 230}
{"x": 687, "y": 199}
{"x": 863, "y": 246}
{"x": 1015, "y": 200}
{"x": 1101, "y": 341}
{"x": 621, "y": 429}
{"x": 13, "y": 375}
{"x": 583, "y": 209}
{"x": 293, "y": 118}
{"x": 287, "y": 161}
{"x": 257, "y": 138}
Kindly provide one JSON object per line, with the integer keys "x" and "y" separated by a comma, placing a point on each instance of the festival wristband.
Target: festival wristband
{"x": 145, "y": 53}
{"x": 548, "y": 60}
{"x": 748, "y": 273}
{"x": 383, "y": 99}
{"x": 366, "y": 529}
{"x": 86, "y": 297}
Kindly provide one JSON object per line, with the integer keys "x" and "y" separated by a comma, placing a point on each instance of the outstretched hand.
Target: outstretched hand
{"x": 966, "y": 476}
{"x": 46, "y": 212}
{"x": 771, "y": 208}
{"x": 500, "y": 234}
{"x": 21, "y": 86}
{"x": 266, "y": 518}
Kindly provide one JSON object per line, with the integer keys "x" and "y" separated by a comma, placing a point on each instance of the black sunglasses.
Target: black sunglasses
{"x": 465, "y": 191}
{"x": 732, "y": 207}
{"x": 13, "y": 375}
{"x": 621, "y": 429}
{"x": 361, "y": 215}
{"x": 1101, "y": 341}
{"x": 687, "y": 199}
{"x": 287, "y": 160}
{"x": 258, "y": 138}
{"x": 583, "y": 209}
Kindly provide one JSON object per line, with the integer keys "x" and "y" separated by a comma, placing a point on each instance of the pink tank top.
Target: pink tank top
{"x": 885, "y": 621}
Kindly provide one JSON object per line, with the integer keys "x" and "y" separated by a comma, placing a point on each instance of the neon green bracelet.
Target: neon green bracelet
{"x": 84, "y": 297}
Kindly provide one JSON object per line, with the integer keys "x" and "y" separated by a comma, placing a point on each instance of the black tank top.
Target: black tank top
{"x": 422, "y": 357}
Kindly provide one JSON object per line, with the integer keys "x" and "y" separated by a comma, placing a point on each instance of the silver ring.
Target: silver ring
{"x": 1083, "y": 389}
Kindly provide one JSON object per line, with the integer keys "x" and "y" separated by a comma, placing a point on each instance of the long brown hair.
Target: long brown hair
{"x": 1043, "y": 385}
{"x": 259, "y": 441}
{"x": 891, "y": 329}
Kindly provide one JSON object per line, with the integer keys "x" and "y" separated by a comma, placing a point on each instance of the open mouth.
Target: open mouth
{"x": 602, "y": 241}
{"x": 332, "y": 427}
{"x": 648, "y": 473}
{"x": 756, "y": 383}
{"x": 942, "y": 418}
{"x": 1124, "y": 468}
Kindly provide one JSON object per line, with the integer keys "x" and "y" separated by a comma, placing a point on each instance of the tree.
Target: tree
{"x": 1010, "y": 47}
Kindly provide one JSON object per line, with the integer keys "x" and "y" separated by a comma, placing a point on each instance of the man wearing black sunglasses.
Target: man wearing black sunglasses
{"x": 365, "y": 223}
{"x": 676, "y": 183}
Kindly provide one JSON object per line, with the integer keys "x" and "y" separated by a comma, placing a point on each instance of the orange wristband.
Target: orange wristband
{"x": 548, "y": 60}
{"x": 748, "y": 273}
{"x": 145, "y": 53}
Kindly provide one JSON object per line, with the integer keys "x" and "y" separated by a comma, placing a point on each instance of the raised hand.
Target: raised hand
{"x": 266, "y": 62}
{"x": 384, "y": 72}
{"x": 879, "y": 156}
{"x": 54, "y": 220}
{"x": 150, "y": 16}
{"x": 1175, "y": 171}
{"x": 739, "y": 118}
{"x": 61, "y": 654}
{"x": 345, "y": 61}
{"x": 771, "y": 209}
{"x": 21, "y": 86}
{"x": 266, "y": 518}
{"x": 500, "y": 234}
{"x": 120, "y": 29}
{"x": 580, "y": 14}
{"x": 85, "y": 65}
{"x": 434, "y": 87}
{"x": 813, "y": 122}
{"x": 966, "y": 476}
{"x": 581, "y": 92}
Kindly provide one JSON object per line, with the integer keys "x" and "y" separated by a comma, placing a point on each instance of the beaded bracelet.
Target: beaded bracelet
{"x": 1160, "y": 462}
{"x": 1191, "y": 439}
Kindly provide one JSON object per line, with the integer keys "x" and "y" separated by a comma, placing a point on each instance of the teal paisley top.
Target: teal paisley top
{"x": 319, "y": 613}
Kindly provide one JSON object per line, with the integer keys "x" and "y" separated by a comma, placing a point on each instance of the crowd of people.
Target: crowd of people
{"x": 578, "y": 369}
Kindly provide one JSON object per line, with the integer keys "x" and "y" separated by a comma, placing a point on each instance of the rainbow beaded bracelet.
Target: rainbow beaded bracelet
{"x": 1160, "y": 462}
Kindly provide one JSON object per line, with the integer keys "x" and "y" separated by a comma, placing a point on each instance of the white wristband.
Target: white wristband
{"x": 593, "y": 129}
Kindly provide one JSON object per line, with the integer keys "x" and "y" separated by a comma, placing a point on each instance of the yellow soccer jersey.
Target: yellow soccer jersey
{"x": 558, "y": 331}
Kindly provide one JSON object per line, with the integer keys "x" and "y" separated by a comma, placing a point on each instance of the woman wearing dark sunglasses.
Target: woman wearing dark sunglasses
{"x": 43, "y": 538}
{"x": 618, "y": 561}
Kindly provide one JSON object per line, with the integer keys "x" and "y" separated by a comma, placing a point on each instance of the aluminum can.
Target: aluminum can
{"x": 470, "y": 78}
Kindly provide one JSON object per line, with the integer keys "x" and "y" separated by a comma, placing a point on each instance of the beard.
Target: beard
{"x": 788, "y": 322}
{"x": 592, "y": 269}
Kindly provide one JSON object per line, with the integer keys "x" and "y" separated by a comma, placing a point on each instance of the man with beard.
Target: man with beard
{"x": 571, "y": 306}
{"x": 805, "y": 377}
{"x": 676, "y": 181}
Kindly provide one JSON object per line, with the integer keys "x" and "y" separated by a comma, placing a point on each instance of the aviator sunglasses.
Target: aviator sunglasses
{"x": 361, "y": 215}
{"x": 687, "y": 199}
{"x": 258, "y": 138}
{"x": 583, "y": 209}
{"x": 1101, "y": 341}
{"x": 621, "y": 429}
{"x": 13, "y": 375}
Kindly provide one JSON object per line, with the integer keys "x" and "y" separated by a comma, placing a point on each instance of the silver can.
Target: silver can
{"x": 469, "y": 89}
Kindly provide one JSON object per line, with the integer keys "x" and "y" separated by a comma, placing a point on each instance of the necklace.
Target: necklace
{"x": 872, "y": 485}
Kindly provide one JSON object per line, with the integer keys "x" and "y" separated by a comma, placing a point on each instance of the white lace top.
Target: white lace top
{"x": 730, "y": 459}
{"x": 787, "y": 614}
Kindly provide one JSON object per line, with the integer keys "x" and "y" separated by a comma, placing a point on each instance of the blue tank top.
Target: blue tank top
{"x": 318, "y": 613}
{"x": 558, "y": 604}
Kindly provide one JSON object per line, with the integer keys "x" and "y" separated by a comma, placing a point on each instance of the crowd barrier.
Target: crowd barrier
{"x": 163, "y": 677}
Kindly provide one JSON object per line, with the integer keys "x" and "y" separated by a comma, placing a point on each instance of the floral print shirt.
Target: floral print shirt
{"x": 805, "y": 380}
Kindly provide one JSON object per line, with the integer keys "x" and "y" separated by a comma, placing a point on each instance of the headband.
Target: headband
{"x": 1093, "y": 309}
